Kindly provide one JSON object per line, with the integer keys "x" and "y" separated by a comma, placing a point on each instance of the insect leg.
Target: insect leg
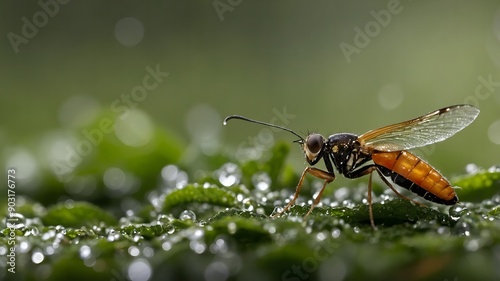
{"x": 359, "y": 173}
{"x": 317, "y": 173}
{"x": 372, "y": 222}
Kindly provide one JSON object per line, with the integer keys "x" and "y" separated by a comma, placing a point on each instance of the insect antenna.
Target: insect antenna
{"x": 261, "y": 123}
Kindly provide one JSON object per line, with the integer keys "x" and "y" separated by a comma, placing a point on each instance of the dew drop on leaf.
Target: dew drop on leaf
{"x": 457, "y": 211}
{"x": 462, "y": 229}
{"x": 232, "y": 228}
{"x": 187, "y": 215}
{"x": 261, "y": 181}
{"x": 85, "y": 252}
{"x": 37, "y": 257}
{"x": 229, "y": 174}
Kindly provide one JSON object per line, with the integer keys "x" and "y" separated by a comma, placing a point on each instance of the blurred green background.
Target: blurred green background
{"x": 253, "y": 58}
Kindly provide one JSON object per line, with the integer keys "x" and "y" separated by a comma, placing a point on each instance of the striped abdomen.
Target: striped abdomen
{"x": 414, "y": 174}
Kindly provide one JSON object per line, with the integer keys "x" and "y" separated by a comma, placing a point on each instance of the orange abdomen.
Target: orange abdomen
{"x": 416, "y": 171}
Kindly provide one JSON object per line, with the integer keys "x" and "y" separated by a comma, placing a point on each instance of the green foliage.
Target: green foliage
{"x": 204, "y": 228}
{"x": 77, "y": 214}
{"x": 478, "y": 186}
{"x": 190, "y": 196}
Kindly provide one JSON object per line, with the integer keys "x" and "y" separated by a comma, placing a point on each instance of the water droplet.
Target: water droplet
{"x": 85, "y": 252}
{"x": 220, "y": 245}
{"x": 137, "y": 238}
{"x": 113, "y": 235}
{"x": 336, "y": 233}
{"x": 15, "y": 221}
{"x": 348, "y": 203}
{"x": 170, "y": 229}
{"x": 232, "y": 228}
{"x": 166, "y": 246}
{"x": 197, "y": 246}
{"x": 139, "y": 270}
{"x": 148, "y": 252}
{"x": 240, "y": 197}
{"x": 182, "y": 180}
{"x": 462, "y": 228}
{"x": 133, "y": 251}
{"x": 49, "y": 234}
{"x": 472, "y": 168}
{"x": 270, "y": 227}
{"x": 471, "y": 245}
{"x": 217, "y": 271}
{"x": 277, "y": 209}
{"x": 320, "y": 236}
{"x": 196, "y": 234}
{"x": 32, "y": 231}
{"x": 494, "y": 169}
{"x": 443, "y": 230}
{"x": 169, "y": 172}
{"x": 187, "y": 215}
{"x": 229, "y": 174}
{"x": 24, "y": 247}
{"x": 247, "y": 204}
{"x": 457, "y": 211}
{"x": 496, "y": 198}
{"x": 261, "y": 181}
{"x": 37, "y": 257}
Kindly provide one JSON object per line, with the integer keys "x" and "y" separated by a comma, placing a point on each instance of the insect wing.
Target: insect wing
{"x": 433, "y": 127}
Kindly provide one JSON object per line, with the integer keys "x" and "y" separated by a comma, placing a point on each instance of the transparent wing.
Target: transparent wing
{"x": 433, "y": 127}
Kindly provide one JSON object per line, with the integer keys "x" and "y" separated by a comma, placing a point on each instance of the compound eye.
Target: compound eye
{"x": 314, "y": 143}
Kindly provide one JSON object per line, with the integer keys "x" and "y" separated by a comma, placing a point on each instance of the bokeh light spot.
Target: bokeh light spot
{"x": 136, "y": 129}
{"x": 390, "y": 96}
{"x": 494, "y": 132}
{"x": 204, "y": 124}
{"x": 25, "y": 163}
{"x": 129, "y": 31}
{"x": 78, "y": 111}
{"x": 139, "y": 270}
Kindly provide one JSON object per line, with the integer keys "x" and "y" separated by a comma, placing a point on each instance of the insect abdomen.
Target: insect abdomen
{"x": 414, "y": 174}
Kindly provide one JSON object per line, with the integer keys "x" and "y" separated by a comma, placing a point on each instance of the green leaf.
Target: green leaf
{"x": 392, "y": 212}
{"x": 275, "y": 165}
{"x": 76, "y": 215}
{"x": 212, "y": 195}
{"x": 478, "y": 186}
{"x": 246, "y": 231}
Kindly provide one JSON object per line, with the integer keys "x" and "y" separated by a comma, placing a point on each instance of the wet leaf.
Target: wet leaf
{"x": 77, "y": 214}
{"x": 478, "y": 186}
{"x": 190, "y": 194}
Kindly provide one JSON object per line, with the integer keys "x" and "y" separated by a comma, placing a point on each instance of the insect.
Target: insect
{"x": 384, "y": 151}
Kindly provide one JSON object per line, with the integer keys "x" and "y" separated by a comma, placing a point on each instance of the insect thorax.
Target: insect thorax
{"x": 345, "y": 152}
